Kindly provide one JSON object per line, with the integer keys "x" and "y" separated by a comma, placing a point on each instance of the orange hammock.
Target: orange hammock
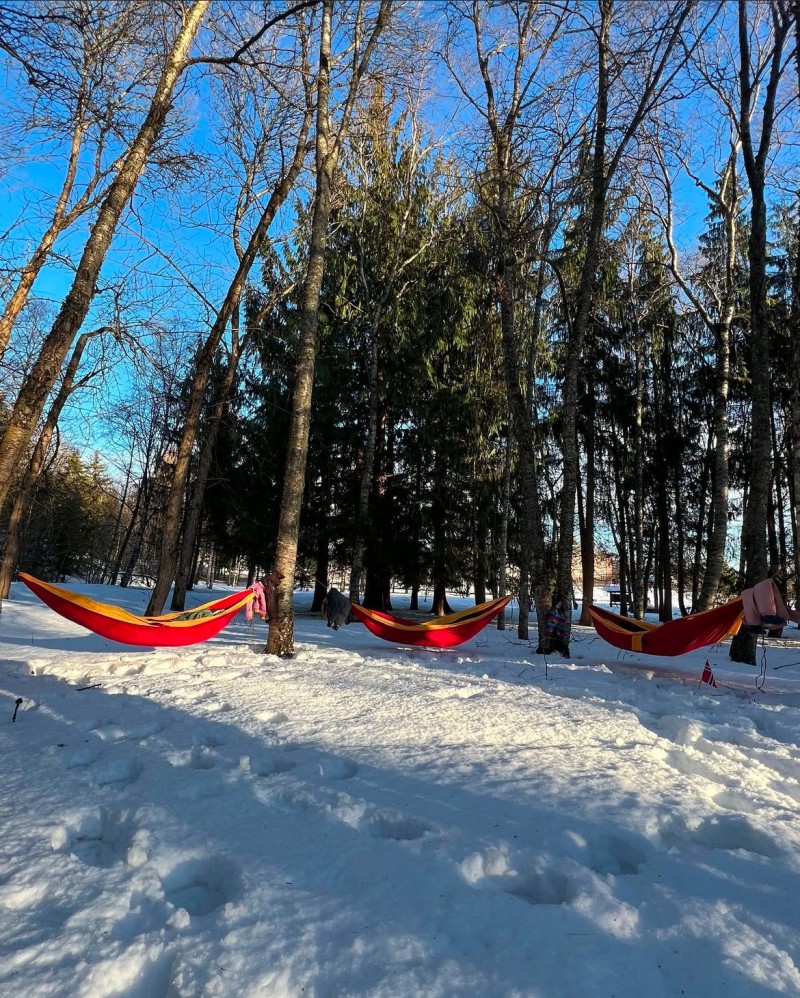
{"x": 675, "y": 637}
{"x": 442, "y": 632}
{"x": 166, "y": 631}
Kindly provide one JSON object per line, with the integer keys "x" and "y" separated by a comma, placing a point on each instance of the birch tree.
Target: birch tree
{"x": 716, "y": 305}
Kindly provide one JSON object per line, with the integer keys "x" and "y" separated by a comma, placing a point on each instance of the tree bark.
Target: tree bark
{"x": 587, "y": 531}
{"x": 195, "y": 509}
{"x": 583, "y": 311}
{"x": 795, "y": 325}
{"x": 604, "y": 168}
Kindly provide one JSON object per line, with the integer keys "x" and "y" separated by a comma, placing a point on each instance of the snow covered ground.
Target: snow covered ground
{"x": 368, "y": 820}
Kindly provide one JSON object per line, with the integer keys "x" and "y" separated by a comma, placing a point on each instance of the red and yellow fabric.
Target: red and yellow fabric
{"x": 116, "y": 624}
{"x": 675, "y": 637}
{"x": 441, "y": 632}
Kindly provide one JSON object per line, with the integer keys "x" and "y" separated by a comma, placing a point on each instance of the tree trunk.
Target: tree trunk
{"x": 195, "y": 510}
{"x": 280, "y": 640}
{"x": 321, "y": 585}
{"x": 581, "y": 322}
{"x": 531, "y": 538}
{"x": 715, "y": 557}
{"x": 502, "y": 554}
{"x": 440, "y": 606}
{"x": 479, "y": 557}
{"x": 795, "y": 325}
{"x": 43, "y": 374}
{"x": 587, "y": 531}
{"x": 367, "y": 469}
{"x": 281, "y": 629}
{"x": 754, "y": 527}
{"x": 639, "y": 575}
{"x": 205, "y": 358}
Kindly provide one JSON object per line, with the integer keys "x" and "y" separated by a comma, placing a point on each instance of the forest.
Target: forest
{"x": 446, "y": 295}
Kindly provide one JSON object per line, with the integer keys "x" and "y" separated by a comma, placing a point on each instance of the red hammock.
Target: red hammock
{"x": 167, "y": 631}
{"x": 675, "y": 637}
{"x": 442, "y": 632}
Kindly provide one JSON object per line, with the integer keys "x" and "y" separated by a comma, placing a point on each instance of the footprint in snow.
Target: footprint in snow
{"x": 533, "y": 881}
{"x": 201, "y": 886}
{"x": 732, "y": 832}
{"x": 396, "y": 827}
{"x": 207, "y": 739}
{"x": 790, "y": 789}
{"x": 733, "y": 801}
{"x": 85, "y": 756}
{"x": 378, "y": 823}
{"x": 541, "y": 887}
{"x": 338, "y": 769}
{"x": 690, "y": 765}
{"x": 101, "y": 838}
{"x": 728, "y": 832}
{"x": 270, "y": 717}
{"x": 615, "y": 855}
{"x": 215, "y": 706}
{"x": 456, "y": 693}
{"x": 201, "y": 758}
{"x": 116, "y": 773}
{"x": 267, "y": 764}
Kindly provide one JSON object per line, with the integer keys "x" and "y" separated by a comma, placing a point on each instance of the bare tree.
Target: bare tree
{"x": 283, "y": 183}
{"x": 516, "y": 99}
{"x": 716, "y": 305}
{"x": 761, "y": 68}
{"x": 633, "y": 74}
{"x": 358, "y": 51}
{"x": 795, "y": 324}
{"x": 40, "y": 380}
{"x": 71, "y": 89}
{"x": 131, "y": 165}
